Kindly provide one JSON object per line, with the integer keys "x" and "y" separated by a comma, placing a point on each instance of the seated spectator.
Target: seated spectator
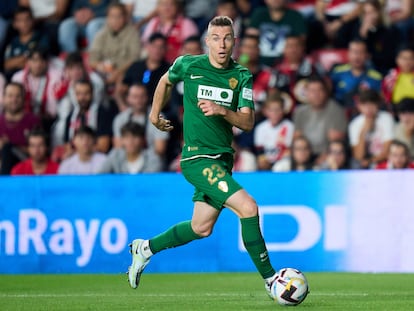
{"x": 27, "y": 39}
{"x": 273, "y": 24}
{"x": 85, "y": 19}
{"x": 48, "y": 15}
{"x": 2, "y": 86}
{"x": 290, "y": 74}
{"x": 398, "y": 157}
{"x": 321, "y": 120}
{"x": 132, "y": 157}
{"x": 273, "y": 136}
{"x": 15, "y": 122}
{"x": 338, "y": 157}
{"x": 84, "y": 110}
{"x": 39, "y": 80}
{"x": 7, "y": 8}
{"x": 140, "y": 11}
{"x": 85, "y": 160}
{"x": 333, "y": 23}
{"x": 116, "y": 46}
{"x": 75, "y": 69}
{"x": 173, "y": 25}
{"x": 137, "y": 111}
{"x": 38, "y": 162}
{"x": 244, "y": 158}
{"x": 399, "y": 83}
{"x": 380, "y": 38}
{"x": 371, "y": 132}
{"x": 200, "y": 11}
{"x": 404, "y": 130}
{"x": 147, "y": 71}
{"x": 399, "y": 13}
{"x": 300, "y": 158}
{"x": 348, "y": 79}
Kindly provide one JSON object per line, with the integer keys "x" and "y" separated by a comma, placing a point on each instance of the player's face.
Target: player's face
{"x": 398, "y": 157}
{"x": 220, "y": 42}
{"x": 37, "y": 148}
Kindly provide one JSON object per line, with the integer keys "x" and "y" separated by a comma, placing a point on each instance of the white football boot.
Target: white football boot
{"x": 139, "y": 262}
{"x": 268, "y": 285}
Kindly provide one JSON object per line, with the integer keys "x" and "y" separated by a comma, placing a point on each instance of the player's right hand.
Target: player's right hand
{"x": 163, "y": 124}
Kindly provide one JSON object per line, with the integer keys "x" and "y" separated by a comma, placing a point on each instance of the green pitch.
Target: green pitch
{"x": 218, "y": 291}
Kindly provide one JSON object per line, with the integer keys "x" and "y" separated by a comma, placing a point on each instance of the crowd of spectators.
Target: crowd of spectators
{"x": 333, "y": 83}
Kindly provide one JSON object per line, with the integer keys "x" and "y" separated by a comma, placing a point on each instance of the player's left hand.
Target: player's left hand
{"x": 210, "y": 108}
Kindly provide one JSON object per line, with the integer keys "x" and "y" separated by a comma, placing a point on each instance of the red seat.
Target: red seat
{"x": 329, "y": 57}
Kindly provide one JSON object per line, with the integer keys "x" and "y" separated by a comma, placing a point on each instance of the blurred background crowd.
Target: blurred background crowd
{"x": 333, "y": 83}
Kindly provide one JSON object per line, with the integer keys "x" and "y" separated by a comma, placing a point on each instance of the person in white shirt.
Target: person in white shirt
{"x": 85, "y": 160}
{"x": 371, "y": 132}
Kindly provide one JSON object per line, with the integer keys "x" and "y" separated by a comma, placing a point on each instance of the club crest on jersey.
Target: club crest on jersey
{"x": 222, "y": 185}
{"x": 233, "y": 83}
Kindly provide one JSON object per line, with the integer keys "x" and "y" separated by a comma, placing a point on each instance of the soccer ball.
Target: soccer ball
{"x": 290, "y": 288}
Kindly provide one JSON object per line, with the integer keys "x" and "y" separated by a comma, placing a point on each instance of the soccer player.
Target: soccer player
{"x": 217, "y": 96}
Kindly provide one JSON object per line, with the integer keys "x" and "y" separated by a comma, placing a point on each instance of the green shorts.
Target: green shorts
{"x": 212, "y": 179}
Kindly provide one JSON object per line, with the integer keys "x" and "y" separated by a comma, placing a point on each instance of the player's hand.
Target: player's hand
{"x": 163, "y": 124}
{"x": 210, "y": 108}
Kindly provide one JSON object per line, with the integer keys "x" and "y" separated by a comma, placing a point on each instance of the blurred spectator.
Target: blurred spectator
{"x": 398, "y": 157}
{"x": 380, "y": 38}
{"x": 140, "y": 11}
{"x": 131, "y": 156}
{"x": 348, "y": 79}
{"x": 290, "y": 74}
{"x": 27, "y": 39}
{"x": 400, "y": 14}
{"x": 200, "y": 11}
{"x": 85, "y": 111}
{"x": 300, "y": 158}
{"x": 321, "y": 120}
{"x": 244, "y": 159}
{"x": 137, "y": 111}
{"x": 147, "y": 71}
{"x": 404, "y": 130}
{"x": 85, "y": 160}
{"x": 2, "y": 86}
{"x": 273, "y": 136}
{"x": 173, "y": 25}
{"x": 38, "y": 162}
{"x": 7, "y": 8}
{"x": 39, "y": 80}
{"x": 15, "y": 123}
{"x": 273, "y": 24}
{"x": 338, "y": 156}
{"x": 371, "y": 132}
{"x": 333, "y": 23}
{"x": 48, "y": 14}
{"x": 116, "y": 46}
{"x": 86, "y": 18}
{"x": 75, "y": 69}
{"x": 399, "y": 83}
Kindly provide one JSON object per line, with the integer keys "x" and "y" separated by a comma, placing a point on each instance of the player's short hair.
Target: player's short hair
{"x": 133, "y": 128}
{"x": 221, "y": 21}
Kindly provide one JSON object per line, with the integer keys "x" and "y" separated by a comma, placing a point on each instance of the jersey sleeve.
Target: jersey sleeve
{"x": 246, "y": 93}
{"x": 177, "y": 70}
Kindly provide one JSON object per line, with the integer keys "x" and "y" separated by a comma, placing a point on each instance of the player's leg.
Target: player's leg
{"x": 201, "y": 225}
{"x": 245, "y": 207}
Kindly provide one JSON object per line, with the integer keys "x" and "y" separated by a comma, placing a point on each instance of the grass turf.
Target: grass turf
{"x": 218, "y": 291}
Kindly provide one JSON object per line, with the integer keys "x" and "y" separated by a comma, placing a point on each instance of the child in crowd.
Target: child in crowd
{"x": 398, "y": 157}
{"x": 273, "y": 136}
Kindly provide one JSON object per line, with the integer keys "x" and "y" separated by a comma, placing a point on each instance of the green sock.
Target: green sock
{"x": 177, "y": 235}
{"x": 255, "y": 246}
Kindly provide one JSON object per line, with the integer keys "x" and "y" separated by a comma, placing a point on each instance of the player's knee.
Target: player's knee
{"x": 202, "y": 230}
{"x": 249, "y": 208}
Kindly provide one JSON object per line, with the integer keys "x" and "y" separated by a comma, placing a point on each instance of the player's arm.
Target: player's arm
{"x": 161, "y": 95}
{"x": 243, "y": 119}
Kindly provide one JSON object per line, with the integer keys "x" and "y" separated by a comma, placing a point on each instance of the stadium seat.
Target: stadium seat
{"x": 329, "y": 57}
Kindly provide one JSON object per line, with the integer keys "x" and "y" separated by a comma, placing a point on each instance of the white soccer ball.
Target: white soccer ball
{"x": 290, "y": 288}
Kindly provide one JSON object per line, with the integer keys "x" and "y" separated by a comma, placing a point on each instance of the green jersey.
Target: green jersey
{"x": 230, "y": 87}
